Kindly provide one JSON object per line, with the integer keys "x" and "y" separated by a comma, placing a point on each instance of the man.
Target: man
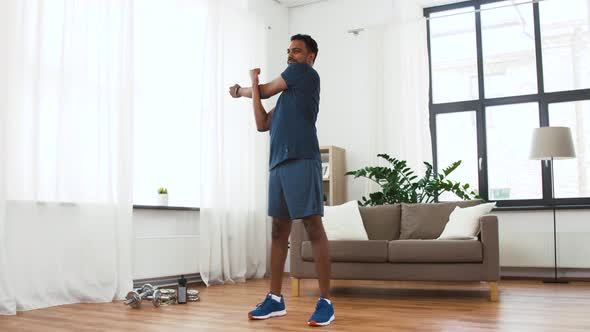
{"x": 295, "y": 180}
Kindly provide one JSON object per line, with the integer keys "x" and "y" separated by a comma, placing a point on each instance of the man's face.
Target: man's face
{"x": 297, "y": 52}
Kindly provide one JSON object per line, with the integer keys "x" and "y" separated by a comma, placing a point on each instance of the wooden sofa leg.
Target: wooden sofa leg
{"x": 493, "y": 291}
{"x": 295, "y": 284}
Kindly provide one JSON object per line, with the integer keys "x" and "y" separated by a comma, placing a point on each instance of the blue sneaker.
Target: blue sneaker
{"x": 268, "y": 308}
{"x": 323, "y": 315}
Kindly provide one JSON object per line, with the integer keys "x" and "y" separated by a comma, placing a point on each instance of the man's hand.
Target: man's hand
{"x": 254, "y": 76}
{"x": 233, "y": 90}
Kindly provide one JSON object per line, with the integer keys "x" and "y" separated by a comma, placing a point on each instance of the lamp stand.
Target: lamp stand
{"x": 555, "y": 280}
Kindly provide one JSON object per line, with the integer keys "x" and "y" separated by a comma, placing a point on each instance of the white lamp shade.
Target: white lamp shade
{"x": 552, "y": 142}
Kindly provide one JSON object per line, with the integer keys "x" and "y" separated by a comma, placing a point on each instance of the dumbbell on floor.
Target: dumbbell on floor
{"x": 168, "y": 296}
{"x": 133, "y": 298}
{"x": 193, "y": 295}
{"x": 158, "y": 298}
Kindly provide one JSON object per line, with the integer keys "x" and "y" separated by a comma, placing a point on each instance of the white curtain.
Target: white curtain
{"x": 7, "y": 298}
{"x": 234, "y": 156}
{"x": 65, "y": 148}
{"x": 398, "y": 72}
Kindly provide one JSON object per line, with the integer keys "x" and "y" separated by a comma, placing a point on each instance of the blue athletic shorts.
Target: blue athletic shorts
{"x": 295, "y": 189}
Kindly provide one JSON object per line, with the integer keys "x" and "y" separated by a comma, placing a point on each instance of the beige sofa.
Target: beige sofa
{"x": 402, "y": 245}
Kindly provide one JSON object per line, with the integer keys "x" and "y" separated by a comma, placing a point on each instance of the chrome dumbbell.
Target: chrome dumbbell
{"x": 168, "y": 296}
{"x": 193, "y": 295}
{"x": 133, "y": 298}
{"x": 159, "y": 298}
{"x": 162, "y": 296}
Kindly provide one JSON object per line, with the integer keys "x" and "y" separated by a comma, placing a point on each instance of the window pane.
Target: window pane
{"x": 511, "y": 175}
{"x": 456, "y": 139}
{"x": 508, "y": 41}
{"x": 167, "y": 103}
{"x": 572, "y": 176}
{"x": 453, "y": 56}
{"x": 565, "y": 37}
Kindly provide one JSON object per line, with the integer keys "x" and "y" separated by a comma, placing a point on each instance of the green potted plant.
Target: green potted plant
{"x": 163, "y": 196}
{"x": 399, "y": 184}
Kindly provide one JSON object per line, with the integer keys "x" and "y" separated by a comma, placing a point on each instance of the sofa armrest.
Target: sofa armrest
{"x": 298, "y": 235}
{"x": 491, "y": 246}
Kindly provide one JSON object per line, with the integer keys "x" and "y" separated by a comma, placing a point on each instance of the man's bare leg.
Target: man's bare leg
{"x": 319, "y": 240}
{"x": 281, "y": 228}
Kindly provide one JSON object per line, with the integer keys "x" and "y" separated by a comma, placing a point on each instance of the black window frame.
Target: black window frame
{"x": 479, "y": 105}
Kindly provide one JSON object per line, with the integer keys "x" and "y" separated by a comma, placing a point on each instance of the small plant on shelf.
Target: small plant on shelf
{"x": 163, "y": 196}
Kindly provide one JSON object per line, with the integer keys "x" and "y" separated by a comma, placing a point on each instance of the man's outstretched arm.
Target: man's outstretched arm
{"x": 266, "y": 90}
{"x": 262, "y": 118}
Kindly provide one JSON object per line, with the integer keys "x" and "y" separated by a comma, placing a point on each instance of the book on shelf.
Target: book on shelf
{"x": 326, "y": 170}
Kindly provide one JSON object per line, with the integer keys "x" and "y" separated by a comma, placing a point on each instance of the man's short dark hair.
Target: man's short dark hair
{"x": 311, "y": 44}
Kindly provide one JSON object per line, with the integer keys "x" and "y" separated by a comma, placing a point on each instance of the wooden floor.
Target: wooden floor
{"x": 524, "y": 305}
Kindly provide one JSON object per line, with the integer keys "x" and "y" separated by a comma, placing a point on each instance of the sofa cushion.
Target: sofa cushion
{"x": 435, "y": 251}
{"x": 426, "y": 221}
{"x": 382, "y": 222}
{"x": 368, "y": 251}
{"x": 344, "y": 222}
{"x": 464, "y": 222}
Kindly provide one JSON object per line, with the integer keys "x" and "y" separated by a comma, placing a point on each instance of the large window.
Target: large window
{"x": 499, "y": 69}
{"x": 454, "y": 57}
{"x": 168, "y": 61}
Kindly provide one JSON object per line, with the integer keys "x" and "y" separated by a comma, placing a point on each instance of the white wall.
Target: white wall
{"x": 342, "y": 64}
{"x": 526, "y": 238}
{"x": 275, "y": 18}
{"x": 166, "y": 243}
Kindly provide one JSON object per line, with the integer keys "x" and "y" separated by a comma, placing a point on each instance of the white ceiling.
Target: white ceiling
{"x": 296, "y": 3}
{"x": 423, "y": 3}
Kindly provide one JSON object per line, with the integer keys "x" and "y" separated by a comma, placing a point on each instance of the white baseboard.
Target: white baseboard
{"x": 167, "y": 281}
{"x": 544, "y": 272}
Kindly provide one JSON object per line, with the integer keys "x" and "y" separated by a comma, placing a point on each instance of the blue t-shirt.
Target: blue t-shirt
{"x": 292, "y": 128}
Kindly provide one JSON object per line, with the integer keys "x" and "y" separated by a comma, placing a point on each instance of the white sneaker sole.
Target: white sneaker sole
{"x": 314, "y": 323}
{"x": 272, "y": 314}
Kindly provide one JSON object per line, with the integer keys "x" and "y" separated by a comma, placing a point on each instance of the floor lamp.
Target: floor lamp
{"x": 551, "y": 143}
